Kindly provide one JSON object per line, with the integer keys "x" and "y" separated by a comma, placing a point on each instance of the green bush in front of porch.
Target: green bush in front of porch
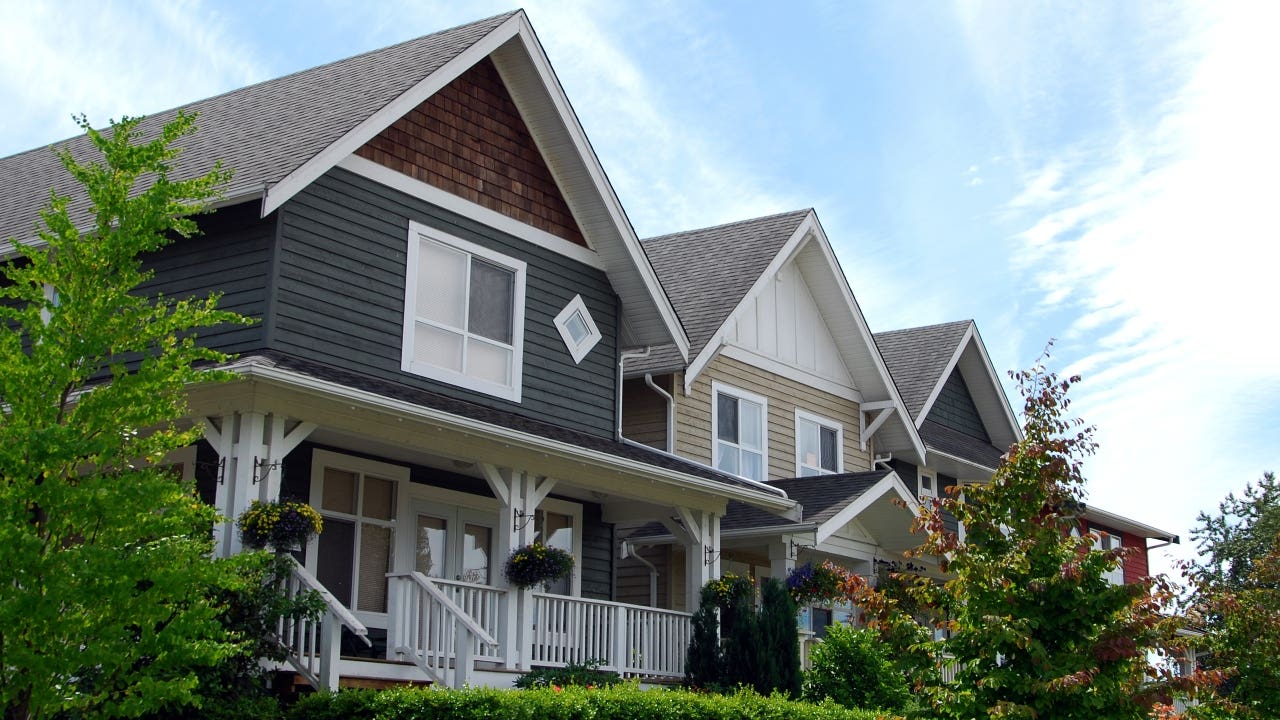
{"x": 623, "y": 702}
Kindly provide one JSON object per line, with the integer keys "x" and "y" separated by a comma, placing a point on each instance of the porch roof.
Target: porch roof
{"x": 504, "y": 419}
{"x": 940, "y": 438}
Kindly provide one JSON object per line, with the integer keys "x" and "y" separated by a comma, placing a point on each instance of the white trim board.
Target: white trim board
{"x": 889, "y": 483}
{"x": 423, "y": 191}
{"x": 777, "y": 367}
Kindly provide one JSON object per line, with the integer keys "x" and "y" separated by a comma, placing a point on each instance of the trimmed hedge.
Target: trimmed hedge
{"x": 622, "y": 702}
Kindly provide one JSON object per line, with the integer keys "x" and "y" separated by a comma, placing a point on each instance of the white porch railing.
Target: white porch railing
{"x": 312, "y": 646}
{"x": 950, "y": 667}
{"x": 629, "y": 639}
{"x": 428, "y": 627}
{"x": 482, "y": 603}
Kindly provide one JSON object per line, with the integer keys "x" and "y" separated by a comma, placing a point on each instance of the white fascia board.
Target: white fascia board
{"x": 626, "y": 232}
{"x": 712, "y": 348}
{"x": 605, "y": 461}
{"x": 889, "y": 483}
{"x": 412, "y": 186}
{"x": 881, "y": 368}
{"x": 1119, "y": 522}
{"x": 323, "y": 161}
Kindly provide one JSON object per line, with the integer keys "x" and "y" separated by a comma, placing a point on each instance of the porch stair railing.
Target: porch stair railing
{"x": 430, "y": 628}
{"x": 312, "y": 645}
{"x": 631, "y": 640}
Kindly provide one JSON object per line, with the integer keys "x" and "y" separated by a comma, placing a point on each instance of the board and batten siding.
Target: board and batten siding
{"x": 343, "y": 244}
{"x": 693, "y": 415}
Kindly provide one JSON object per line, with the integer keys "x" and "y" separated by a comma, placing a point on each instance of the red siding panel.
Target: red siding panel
{"x": 1135, "y": 566}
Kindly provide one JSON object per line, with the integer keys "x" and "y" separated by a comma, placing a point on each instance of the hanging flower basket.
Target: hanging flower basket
{"x": 537, "y": 564}
{"x": 284, "y": 525}
{"x": 822, "y": 584}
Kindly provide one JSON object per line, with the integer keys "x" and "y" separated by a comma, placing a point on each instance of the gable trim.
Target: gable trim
{"x": 971, "y": 336}
{"x": 442, "y": 198}
{"x": 321, "y": 162}
{"x": 889, "y": 483}
{"x": 946, "y": 373}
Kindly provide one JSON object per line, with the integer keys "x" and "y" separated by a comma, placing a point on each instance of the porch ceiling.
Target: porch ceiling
{"x": 411, "y": 431}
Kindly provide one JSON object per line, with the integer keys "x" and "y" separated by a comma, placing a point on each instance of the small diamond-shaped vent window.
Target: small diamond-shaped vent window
{"x": 577, "y": 328}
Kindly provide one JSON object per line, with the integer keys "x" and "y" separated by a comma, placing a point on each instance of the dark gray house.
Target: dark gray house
{"x": 445, "y": 283}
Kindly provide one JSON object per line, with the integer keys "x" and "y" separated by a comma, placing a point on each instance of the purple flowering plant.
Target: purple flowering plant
{"x": 282, "y": 524}
{"x": 821, "y": 584}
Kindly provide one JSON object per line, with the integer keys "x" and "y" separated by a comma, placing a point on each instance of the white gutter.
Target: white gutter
{"x": 671, "y": 411}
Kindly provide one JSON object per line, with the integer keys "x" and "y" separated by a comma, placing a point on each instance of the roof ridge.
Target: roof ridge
{"x": 278, "y": 78}
{"x": 734, "y": 223}
{"x": 918, "y": 328}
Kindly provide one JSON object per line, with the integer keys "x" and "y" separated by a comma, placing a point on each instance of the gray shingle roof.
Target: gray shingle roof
{"x": 707, "y": 272}
{"x": 263, "y": 132}
{"x": 917, "y": 357}
{"x": 943, "y": 439}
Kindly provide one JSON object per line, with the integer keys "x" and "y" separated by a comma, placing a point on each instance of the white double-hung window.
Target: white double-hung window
{"x": 818, "y": 442}
{"x": 464, "y": 313}
{"x": 738, "y": 420}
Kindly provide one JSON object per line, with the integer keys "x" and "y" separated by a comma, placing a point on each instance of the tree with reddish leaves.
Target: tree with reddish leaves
{"x": 1033, "y": 625}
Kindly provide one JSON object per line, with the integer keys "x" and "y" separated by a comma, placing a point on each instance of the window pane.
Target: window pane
{"x": 752, "y": 466}
{"x": 577, "y": 328}
{"x": 492, "y": 298}
{"x": 486, "y": 361}
{"x": 476, "y": 546}
{"x": 436, "y": 347}
{"x": 807, "y": 444}
{"x": 375, "y": 563}
{"x": 339, "y": 493}
{"x": 430, "y": 556}
{"x": 829, "y": 444}
{"x": 727, "y": 458}
{"x": 809, "y": 471}
{"x": 750, "y": 424}
{"x": 442, "y": 277}
{"x": 379, "y": 498}
{"x": 727, "y": 418}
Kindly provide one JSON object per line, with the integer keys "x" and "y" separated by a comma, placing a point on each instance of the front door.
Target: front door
{"x": 453, "y": 543}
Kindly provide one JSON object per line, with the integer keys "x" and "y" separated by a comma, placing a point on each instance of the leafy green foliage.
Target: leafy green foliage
{"x": 586, "y": 674}
{"x": 103, "y": 607}
{"x": 1034, "y": 625}
{"x": 851, "y": 667}
{"x": 1236, "y": 593}
{"x": 622, "y": 702}
{"x": 748, "y": 645}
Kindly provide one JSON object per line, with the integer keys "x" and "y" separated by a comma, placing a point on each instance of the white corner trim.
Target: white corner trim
{"x": 889, "y": 483}
{"x": 321, "y": 162}
{"x": 777, "y": 367}
{"x": 419, "y": 232}
{"x": 802, "y": 232}
{"x": 423, "y": 191}
{"x": 578, "y": 350}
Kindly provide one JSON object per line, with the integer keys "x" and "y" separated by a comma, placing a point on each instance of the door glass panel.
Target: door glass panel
{"x": 375, "y": 563}
{"x": 430, "y": 557}
{"x": 335, "y": 555}
{"x": 339, "y": 491}
{"x": 476, "y": 548}
{"x": 556, "y": 530}
{"x": 379, "y": 498}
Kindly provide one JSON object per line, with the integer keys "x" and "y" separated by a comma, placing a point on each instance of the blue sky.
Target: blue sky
{"x": 1101, "y": 173}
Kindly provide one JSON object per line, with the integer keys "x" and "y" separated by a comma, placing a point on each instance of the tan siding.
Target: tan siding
{"x": 693, "y": 415}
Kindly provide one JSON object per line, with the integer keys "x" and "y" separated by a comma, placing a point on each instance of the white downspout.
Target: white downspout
{"x": 623, "y": 357}
{"x": 629, "y": 551}
{"x": 671, "y": 411}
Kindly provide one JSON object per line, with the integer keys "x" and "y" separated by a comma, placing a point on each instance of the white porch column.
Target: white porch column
{"x": 699, "y": 532}
{"x": 222, "y": 438}
{"x": 241, "y": 472}
{"x": 782, "y": 557}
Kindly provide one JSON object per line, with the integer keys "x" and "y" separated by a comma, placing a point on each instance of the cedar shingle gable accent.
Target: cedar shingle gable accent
{"x": 468, "y": 139}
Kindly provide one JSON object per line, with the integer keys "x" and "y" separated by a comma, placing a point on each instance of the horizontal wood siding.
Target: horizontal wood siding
{"x": 341, "y": 299}
{"x": 1135, "y": 565}
{"x": 693, "y": 415}
{"x": 644, "y": 412}
{"x": 230, "y": 258}
{"x": 633, "y": 577}
{"x": 955, "y": 409}
{"x": 597, "y": 554}
{"x": 469, "y": 139}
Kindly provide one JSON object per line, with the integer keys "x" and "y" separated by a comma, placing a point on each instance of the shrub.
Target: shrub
{"x": 851, "y": 668}
{"x": 622, "y": 702}
{"x": 760, "y": 647}
{"x": 586, "y": 674}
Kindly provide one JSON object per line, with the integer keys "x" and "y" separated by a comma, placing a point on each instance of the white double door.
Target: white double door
{"x": 451, "y": 542}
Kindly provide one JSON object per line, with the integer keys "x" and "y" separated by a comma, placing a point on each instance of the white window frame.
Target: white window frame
{"x": 578, "y": 350}
{"x": 821, "y": 422}
{"x": 417, "y": 234}
{"x": 1112, "y": 541}
{"x": 716, "y": 389}
{"x": 931, "y": 492}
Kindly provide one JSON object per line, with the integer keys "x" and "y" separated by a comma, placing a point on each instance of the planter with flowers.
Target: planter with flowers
{"x": 822, "y": 584}
{"x": 537, "y": 564}
{"x": 285, "y": 525}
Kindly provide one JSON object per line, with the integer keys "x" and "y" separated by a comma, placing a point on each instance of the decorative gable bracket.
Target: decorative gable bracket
{"x": 883, "y": 410}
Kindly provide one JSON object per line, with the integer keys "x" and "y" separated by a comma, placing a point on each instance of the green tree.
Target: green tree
{"x": 1035, "y": 628}
{"x": 779, "y": 640}
{"x": 1235, "y": 592}
{"x": 739, "y": 642}
{"x": 851, "y": 667}
{"x": 104, "y": 602}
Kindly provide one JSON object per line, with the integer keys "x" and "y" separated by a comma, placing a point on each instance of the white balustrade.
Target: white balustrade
{"x": 311, "y": 645}
{"x": 628, "y": 639}
{"x": 429, "y": 628}
{"x": 482, "y": 603}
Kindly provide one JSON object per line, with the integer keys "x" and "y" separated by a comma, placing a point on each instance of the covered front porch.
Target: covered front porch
{"x": 421, "y": 508}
